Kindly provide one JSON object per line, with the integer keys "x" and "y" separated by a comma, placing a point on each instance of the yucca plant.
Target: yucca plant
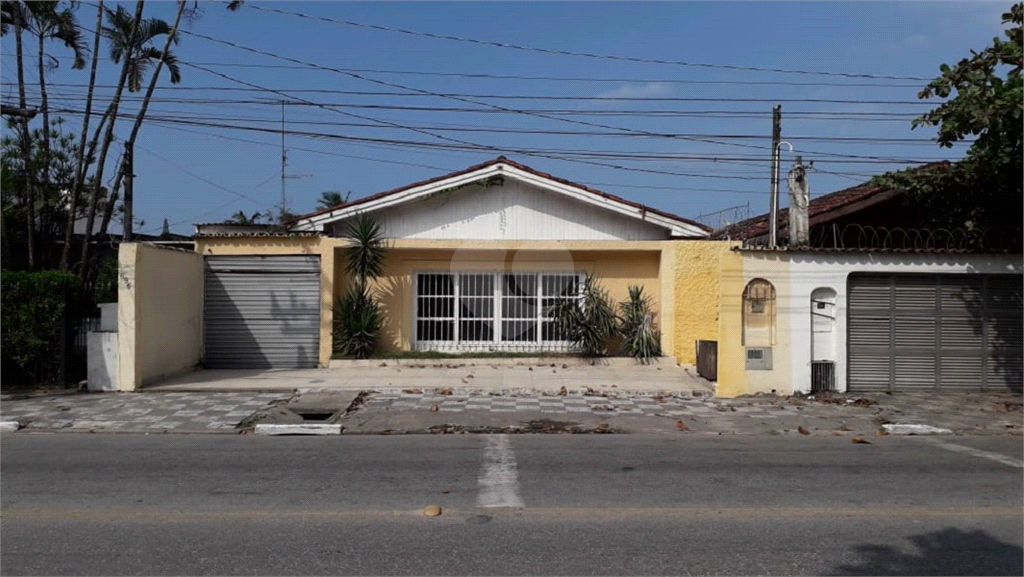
{"x": 357, "y": 322}
{"x": 357, "y": 315}
{"x": 589, "y": 322}
{"x": 640, "y": 338}
{"x": 364, "y": 258}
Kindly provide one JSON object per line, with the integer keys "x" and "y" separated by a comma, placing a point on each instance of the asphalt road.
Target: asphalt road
{"x": 520, "y": 504}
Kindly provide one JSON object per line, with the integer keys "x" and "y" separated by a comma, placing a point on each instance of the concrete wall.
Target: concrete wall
{"x": 256, "y": 245}
{"x": 694, "y": 279}
{"x": 795, "y": 276}
{"x": 159, "y": 315}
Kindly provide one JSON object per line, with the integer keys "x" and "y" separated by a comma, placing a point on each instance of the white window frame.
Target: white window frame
{"x": 496, "y": 344}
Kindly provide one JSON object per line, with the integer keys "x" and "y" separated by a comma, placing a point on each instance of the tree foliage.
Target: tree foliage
{"x": 985, "y": 101}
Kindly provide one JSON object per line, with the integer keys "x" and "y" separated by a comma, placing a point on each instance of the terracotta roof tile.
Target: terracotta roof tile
{"x": 818, "y": 209}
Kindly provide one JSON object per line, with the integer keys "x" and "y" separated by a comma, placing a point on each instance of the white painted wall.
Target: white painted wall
{"x": 511, "y": 211}
{"x": 796, "y": 275}
{"x": 809, "y": 271}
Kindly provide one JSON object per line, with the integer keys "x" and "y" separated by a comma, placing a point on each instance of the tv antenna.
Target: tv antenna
{"x": 284, "y": 165}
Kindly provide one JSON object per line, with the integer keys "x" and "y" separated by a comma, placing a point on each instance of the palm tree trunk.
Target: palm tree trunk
{"x": 108, "y": 209}
{"x": 107, "y": 139}
{"x": 44, "y": 105}
{"x": 26, "y": 147}
{"x": 80, "y": 168}
{"x": 129, "y": 144}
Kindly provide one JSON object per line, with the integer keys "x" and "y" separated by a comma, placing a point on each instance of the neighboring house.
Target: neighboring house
{"x": 868, "y": 305}
{"x": 474, "y": 257}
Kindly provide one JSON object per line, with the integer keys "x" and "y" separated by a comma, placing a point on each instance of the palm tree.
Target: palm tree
{"x": 80, "y": 160}
{"x": 161, "y": 58}
{"x": 331, "y": 199}
{"x": 14, "y": 17}
{"x": 241, "y": 218}
{"x": 130, "y": 37}
{"x": 133, "y": 45}
{"x": 48, "y": 21}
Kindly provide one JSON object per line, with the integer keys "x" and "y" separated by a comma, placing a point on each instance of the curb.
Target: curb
{"x": 295, "y": 429}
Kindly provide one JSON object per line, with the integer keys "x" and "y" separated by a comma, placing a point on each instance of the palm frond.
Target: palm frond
{"x": 365, "y": 256}
{"x": 151, "y": 54}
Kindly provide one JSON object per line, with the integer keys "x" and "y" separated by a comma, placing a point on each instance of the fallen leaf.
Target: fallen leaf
{"x": 803, "y": 430}
{"x": 470, "y": 376}
{"x": 562, "y": 392}
{"x": 881, "y": 432}
{"x": 465, "y": 381}
{"x": 434, "y": 408}
{"x": 860, "y": 441}
{"x": 432, "y": 510}
{"x": 444, "y": 392}
{"x": 412, "y": 391}
{"x": 682, "y": 426}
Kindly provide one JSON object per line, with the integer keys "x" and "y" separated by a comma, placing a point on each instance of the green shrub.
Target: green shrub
{"x": 32, "y": 314}
{"x": 640, "y": 339}
{"x": 357, "y": 323}
{"x": 588, "y": 323}
{"x": 105, "y": 286}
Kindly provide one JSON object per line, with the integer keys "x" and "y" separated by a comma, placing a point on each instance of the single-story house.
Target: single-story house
{"x": 473, "y": 259}
{"x": 867, "y": 305}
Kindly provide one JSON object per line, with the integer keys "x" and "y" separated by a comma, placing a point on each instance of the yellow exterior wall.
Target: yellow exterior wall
{"x": 616, "y": 266}
{"x": 257, "y": 245}
{"x": 733, "y": 378}
{"x": 160, "y": 313}
{"x": 695, "y": 279}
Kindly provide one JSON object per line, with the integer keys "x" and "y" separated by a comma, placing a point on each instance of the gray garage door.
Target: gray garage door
{"x": 910, "y": 332}
{"x": 262, "y": 312}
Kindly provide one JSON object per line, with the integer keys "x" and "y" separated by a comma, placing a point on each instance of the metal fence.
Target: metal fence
{"x": 86, "y": 326}
{"x": 707, "y": 359}
{"x": 823, "y": 376}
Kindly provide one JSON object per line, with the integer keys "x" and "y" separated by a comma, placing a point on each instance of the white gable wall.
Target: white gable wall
{"x": 510, "y": 211}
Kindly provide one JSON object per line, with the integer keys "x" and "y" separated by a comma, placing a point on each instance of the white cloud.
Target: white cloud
{"x": 917, "y": 41}
{"x": 645, "y": 90}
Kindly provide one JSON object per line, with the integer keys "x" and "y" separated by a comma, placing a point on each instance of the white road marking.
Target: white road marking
{"x": 981, "y": 454}
{"x": 499, "y": 480}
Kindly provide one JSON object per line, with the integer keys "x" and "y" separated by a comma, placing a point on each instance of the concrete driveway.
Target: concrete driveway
{"x": 488, "y": 375}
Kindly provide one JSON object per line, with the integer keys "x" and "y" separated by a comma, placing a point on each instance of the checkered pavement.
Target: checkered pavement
{"x": 156, "y": 412}
{"x": 625, "y": 405}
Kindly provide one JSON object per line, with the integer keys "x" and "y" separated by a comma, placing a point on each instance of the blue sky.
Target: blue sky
{"x": 690, "y": 135}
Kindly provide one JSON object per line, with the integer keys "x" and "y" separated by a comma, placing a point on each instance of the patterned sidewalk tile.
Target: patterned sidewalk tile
{"x": 137, "y": 411}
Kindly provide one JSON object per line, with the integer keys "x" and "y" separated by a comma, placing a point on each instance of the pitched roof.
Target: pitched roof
{"x": 819, "y": 210}
{"x": 823, "y": 209}
{"x": 342, "y": 210}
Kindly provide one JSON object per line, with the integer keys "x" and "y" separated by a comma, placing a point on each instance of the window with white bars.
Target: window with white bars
{"x": 507, "y": 311}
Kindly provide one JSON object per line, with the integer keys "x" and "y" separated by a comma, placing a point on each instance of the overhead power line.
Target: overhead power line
{"x": 581, "y": 54}
{"x": 570, "y": 98}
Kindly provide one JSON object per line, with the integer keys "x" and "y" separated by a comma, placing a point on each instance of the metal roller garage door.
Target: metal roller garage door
{"x": 910, "y": 332}
{"x": 262, "y": 312}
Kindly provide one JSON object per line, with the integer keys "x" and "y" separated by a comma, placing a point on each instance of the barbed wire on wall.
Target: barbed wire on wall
{"x": 858, "y": 237}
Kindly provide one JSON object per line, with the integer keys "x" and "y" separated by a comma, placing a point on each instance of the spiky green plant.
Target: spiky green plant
{"x": 640, "y": 338}
{"x": 589, "y": 322}
{"x": 364, "y": 258}
{"x": 357, "y": 323}
{"x": 357, "y": 315}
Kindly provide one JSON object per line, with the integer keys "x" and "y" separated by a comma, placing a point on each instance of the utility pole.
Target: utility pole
{"x": 129, "y": 191}
{"x": 773, "y": 210}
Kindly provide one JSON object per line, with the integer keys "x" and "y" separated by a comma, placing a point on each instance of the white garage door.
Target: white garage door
{"x": 910, "y": 332}
{"x": 262, "y": 312}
